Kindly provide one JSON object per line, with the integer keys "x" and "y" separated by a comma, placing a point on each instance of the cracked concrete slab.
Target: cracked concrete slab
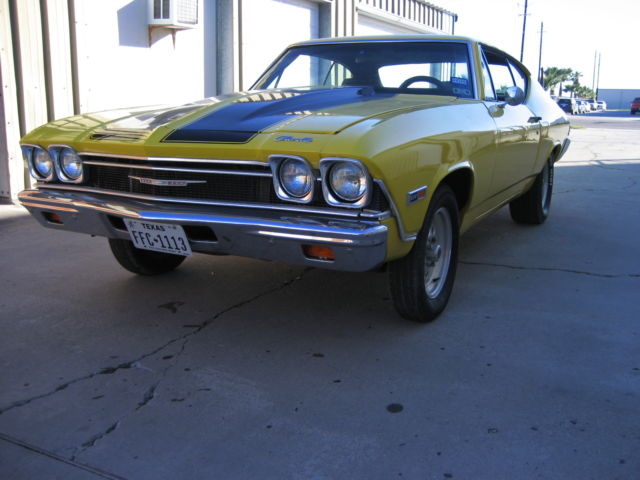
{"x": 237, "y": 368}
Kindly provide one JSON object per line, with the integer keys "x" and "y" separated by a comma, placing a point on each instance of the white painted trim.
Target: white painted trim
{"x": 392, "y": 19}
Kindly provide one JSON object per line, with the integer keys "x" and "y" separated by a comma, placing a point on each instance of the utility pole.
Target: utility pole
{"x": 593, "y": 81}
{"x": 540, "y": 73}
{"x": 524, "y": 27}
{"x": 598, "y": 81}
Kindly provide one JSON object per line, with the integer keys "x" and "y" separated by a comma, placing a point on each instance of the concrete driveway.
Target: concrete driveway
{"x": 232, "y": 368}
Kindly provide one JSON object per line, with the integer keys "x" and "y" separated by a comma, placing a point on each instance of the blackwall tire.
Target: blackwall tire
{"x": 533, "y": 207}
{"x": 143, "y": 262}
{"x": 421, "y": 282}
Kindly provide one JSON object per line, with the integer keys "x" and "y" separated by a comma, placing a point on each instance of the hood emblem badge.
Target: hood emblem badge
{"x": 165, "y": 183}
{"x": 289, "y": 138}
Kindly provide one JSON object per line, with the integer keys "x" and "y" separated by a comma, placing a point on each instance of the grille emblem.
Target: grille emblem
{"x": 165, "y": 183}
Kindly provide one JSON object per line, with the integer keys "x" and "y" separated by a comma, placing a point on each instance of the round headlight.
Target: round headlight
{"x": 70, "y": 164}
{"x": 42, "y": 162}
{"x": 296, "y": 177}
{"x": 348, "y": 181}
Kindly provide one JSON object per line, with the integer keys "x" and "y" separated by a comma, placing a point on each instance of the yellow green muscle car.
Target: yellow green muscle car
{"x": 355, "y": 154}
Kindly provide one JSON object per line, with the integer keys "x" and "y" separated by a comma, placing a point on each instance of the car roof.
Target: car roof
{"x": 386, "y": 38}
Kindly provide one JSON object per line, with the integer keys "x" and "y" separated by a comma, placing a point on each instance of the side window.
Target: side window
{"x": 500, "y": 73}
{"x": 489, "y": 94}
{"x": 519, "y": 76}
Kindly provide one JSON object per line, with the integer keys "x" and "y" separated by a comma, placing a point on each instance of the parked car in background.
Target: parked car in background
{"x": 569, "y": 105}
{"x": 602, "y": 105}
{"x": 635, "y": 106}
{"x": 594, "y": 105}
{"x": 346, "y": 154}
{"x": 583, "y": 106}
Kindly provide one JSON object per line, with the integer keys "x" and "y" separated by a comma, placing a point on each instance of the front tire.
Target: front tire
{"x": 533, "y": 207}
{"x": 143, "y": 262}
{"x": 421, "y": 282}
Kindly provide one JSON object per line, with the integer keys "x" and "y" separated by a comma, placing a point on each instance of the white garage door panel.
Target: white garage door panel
{"x": 269, "y": 26}
{"x": 369, "y": 26}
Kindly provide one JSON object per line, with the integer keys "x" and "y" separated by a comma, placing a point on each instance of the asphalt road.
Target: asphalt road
{"x": 233, "y": 368}
{"x": 610, "y": 119}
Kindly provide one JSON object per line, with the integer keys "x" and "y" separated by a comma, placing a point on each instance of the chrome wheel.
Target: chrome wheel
{"x": 438, "y": 252}
{"x": 421, "y": 282}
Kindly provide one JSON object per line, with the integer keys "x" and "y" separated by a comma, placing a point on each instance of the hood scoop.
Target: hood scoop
{"x": 121, "y": 135}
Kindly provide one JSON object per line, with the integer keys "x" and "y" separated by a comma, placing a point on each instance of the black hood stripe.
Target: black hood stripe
{"x": 239, "y": 121}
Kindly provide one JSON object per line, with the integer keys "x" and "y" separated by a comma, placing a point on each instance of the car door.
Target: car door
{"x": 517, "y": 127}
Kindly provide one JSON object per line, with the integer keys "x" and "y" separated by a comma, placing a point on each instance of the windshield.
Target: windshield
{"x": 430, "y": 68}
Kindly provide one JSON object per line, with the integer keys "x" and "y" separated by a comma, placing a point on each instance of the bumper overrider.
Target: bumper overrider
{"x": 357, "y": 244}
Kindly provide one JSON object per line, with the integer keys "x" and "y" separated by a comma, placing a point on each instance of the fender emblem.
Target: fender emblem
{"x": 165, "y": 183}
{"x": 417, "y": 195}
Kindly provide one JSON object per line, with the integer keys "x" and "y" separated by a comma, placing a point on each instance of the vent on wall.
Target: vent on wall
{"x": 173, "y": 13}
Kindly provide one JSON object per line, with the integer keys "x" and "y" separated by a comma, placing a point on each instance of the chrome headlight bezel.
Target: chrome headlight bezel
{"x": 285, "y": 192}
{"x": 29, "y": 153}
{"x": 58, "y": 153}
{"x": 332, "y": 195}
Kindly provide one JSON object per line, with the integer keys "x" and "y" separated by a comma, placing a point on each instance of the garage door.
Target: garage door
{"x": 268, "y": 26}
{"x": 367, "y": 25}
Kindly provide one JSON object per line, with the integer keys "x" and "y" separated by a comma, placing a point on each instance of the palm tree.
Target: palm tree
{"x": 554, "y": 76}
{"x": 575, "y": 78}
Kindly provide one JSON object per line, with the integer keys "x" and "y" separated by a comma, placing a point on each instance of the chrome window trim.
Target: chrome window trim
{"x": 182, "y": 170}
{"x": 400, "y": 38}
{"x": 259, "y": 84}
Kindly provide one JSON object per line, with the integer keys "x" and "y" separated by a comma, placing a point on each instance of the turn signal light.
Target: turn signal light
{"x": 318, "y": 252}
{"x": 53, "y": 218}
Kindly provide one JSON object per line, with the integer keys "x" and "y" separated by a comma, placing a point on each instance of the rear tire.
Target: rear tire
{"x": 143, "y": 262}
{"x": 533, "y": 207}
{"x": 422, "y": 281}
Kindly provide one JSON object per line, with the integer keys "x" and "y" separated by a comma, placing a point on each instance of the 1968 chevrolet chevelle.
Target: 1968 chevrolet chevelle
{"x": 347, "y": 154}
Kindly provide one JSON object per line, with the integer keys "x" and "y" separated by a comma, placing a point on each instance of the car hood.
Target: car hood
{"x": 238, "y": 118}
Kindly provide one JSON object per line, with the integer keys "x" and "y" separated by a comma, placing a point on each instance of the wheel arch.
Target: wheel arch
{"x": 460, "y": 180}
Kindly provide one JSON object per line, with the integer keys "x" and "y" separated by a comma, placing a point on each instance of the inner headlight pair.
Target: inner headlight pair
{"x": 345, "y": 182}
{"x": 60, "y": 160}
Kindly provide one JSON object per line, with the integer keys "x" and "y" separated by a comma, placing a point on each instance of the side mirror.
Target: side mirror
{"x": 514, "y": 96}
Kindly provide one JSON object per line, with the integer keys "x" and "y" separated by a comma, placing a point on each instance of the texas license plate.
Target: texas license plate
{"x": 158, "y": 237}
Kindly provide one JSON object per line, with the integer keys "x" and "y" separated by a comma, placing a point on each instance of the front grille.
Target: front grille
{"x": 226, "y": 181}
{"x": 217, "y": 187}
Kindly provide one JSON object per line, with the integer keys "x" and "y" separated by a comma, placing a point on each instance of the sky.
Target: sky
{"x": 573, "y": 31}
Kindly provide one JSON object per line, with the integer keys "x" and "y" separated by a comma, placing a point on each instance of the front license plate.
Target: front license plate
{"x": 158, "y": 237}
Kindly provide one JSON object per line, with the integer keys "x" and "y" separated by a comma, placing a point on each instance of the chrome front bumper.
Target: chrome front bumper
{"x": 357, "y": 244}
